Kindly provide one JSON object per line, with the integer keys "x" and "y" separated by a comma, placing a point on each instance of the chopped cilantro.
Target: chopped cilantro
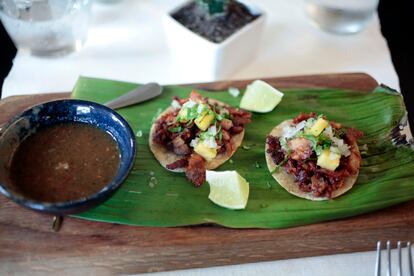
{"x": 175, "y": 129}
{"x": 219, "y": 133}
{"x": 319, "y": 143}
{"x": 318, "y": 150}
{"x": 324, "y": 139}
{"x": 283, "y": 143}
{"x": 203, "y": 135}
{"x": 279, "y": 166}
{"x": 192, "y": 113}
{"x": 312, "y": 139}
{"x": 188, "y": 114}
{"x": 284, "y": 161}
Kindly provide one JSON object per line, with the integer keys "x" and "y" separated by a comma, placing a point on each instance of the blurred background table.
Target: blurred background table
{"x": 126, "y": 42}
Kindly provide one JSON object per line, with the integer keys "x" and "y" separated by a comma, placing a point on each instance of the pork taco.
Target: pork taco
{"x": 197, "y": 134}
{"x": 312, "y": 157}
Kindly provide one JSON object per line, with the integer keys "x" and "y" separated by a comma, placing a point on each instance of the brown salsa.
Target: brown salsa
{"x": 64, "y": 162}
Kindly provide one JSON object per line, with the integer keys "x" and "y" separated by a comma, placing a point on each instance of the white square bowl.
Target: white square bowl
{"x": 213, "y": 61}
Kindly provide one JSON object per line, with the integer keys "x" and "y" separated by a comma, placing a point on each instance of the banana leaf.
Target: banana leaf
{"x": 153, "y": 196}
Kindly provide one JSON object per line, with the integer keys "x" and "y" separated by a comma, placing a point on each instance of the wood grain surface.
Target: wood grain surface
{"x": 29, "y": 245}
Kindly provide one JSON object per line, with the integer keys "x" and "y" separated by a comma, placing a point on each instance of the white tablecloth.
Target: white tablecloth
{"x": 126, "y": 42}
{"x": 356, "y": 264}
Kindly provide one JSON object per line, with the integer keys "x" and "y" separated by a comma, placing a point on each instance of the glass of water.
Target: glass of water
{"x": 341, "y": 16}
{"x": 46, "y": 27}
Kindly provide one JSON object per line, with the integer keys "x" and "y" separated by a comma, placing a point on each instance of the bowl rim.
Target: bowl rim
{"x": 56, "y": 207}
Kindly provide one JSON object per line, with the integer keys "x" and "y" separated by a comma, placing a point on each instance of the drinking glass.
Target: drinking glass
{"x": 46, "y": 27}
{"x": 340, "y": 16}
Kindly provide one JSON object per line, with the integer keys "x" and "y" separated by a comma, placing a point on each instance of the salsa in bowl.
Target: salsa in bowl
{"x": 65, "y": 156}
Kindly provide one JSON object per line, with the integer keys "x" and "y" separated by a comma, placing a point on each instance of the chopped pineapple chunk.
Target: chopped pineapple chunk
{"x": 206, "y": 152}
{"x": 204, "y": 121}
{"x": 318, "y": 127}
{"x": 183, "y": 114}
{"x": 328, "y": 160}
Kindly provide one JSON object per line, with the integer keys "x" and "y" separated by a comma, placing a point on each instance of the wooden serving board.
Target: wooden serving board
{"x": 28, "y": 244}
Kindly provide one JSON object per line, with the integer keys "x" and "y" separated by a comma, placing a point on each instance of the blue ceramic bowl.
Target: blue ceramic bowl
{"x": 62, "y": 111}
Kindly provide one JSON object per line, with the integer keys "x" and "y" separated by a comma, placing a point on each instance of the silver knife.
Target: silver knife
{"x": 137, "y": 95}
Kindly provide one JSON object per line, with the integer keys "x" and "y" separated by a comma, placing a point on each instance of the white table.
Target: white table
{"x": 126, "y": 42}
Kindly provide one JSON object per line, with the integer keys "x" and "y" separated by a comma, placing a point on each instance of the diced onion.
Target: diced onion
{"x": 234, "y": 91}
{"x": 212, "y": 130}
{"x": 200, "y": 108}
{"x": 289, "y": 131}
{"x": 175, "y": 104}
{"x": 194, "y": 142}
{"x": 339, "y": 143}
{"x": 342, "y": 147}
{"x": 310, "y": 122}
{"x": 189, "y": 104}
{"x": 210, "y": 142}
{"x": 328, "y": 132}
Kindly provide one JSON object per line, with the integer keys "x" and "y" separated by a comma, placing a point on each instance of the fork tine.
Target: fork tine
{"x": 389, "y": 258}
{"x": 378, "y": 262}
{"x": 399, "y": 258}
{"x": 410, "y": 260}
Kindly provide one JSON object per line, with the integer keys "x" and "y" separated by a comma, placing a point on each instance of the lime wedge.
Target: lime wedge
{"x": 228, "y": 189}
{"x": 260, "y": 97}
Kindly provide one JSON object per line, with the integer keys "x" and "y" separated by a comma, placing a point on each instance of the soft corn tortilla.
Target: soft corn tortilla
{"x": 287, "y": 181}
{"x": 165, "y": 157}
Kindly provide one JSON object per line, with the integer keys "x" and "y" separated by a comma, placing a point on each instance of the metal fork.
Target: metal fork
{"x": 399, "y": 269}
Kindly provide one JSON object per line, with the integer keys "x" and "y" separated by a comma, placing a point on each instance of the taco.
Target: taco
{"x": 197, "y": 134}
{"x": 312, "y": 157}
